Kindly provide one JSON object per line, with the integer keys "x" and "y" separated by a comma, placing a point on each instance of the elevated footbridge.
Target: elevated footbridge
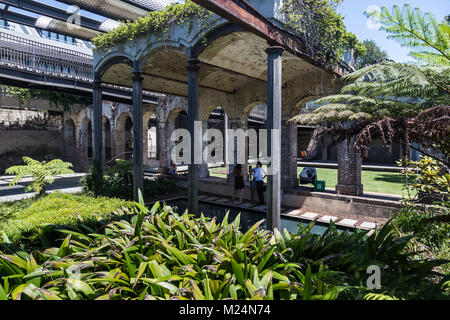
{"x": 37, "y": 65}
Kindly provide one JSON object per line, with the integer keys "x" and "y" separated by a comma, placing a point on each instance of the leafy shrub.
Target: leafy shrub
{"x": 425, "y": 225}
{"x": 158, "y": 254}
{"x": 426, "y": 184}
{"x": 21, "y": 221}
{"x": 118, "y": 182}
{"x": 425, "y": 181}
{"x": 352, "y": 254}
{"x": 42, "y": 173}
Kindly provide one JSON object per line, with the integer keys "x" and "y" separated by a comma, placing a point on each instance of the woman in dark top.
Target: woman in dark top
{"x": 239, "y": 184}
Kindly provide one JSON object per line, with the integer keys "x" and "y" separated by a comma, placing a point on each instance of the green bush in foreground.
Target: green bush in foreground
{"x": 158, "y": 254}
{"x": 20, "y": 221}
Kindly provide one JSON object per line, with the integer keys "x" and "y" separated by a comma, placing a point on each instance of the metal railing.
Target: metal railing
{"x": 29, "y": 55}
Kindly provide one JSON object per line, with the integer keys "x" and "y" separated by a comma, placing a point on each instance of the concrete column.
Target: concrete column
{"x": 97, "y": 126}
{"x": 274, "y": 97}
{"x": 349, "y": 169}
{"x": 289, "y": 154}
{"x": 137, "y": 133}
{"x": 193, "y": 70}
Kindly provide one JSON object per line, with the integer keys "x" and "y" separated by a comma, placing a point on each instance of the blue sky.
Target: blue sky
{"x": 355, "y": 20}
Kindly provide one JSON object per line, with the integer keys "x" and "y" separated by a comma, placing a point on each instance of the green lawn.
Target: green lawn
{"x": 373, "y": 181}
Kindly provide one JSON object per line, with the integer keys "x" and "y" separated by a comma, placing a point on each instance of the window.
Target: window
{"x": 4, "y": 24}
{"x": 56, "y": 36}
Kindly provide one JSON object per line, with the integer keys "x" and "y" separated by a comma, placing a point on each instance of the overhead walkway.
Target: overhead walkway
{"x": 36, "y": 65}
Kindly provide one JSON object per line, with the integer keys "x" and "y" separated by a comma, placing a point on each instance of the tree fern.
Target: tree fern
{"x": 40, "y": 172}
{"x": 427, "y": 39}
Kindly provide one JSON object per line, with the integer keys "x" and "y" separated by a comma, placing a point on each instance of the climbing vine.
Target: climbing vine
{"x": 57, "y": 99}
{"x": 156, "y": 22}
{"x": 320, "y": 29}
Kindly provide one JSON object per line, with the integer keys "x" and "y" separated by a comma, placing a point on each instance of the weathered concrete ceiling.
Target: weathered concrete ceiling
{"x": 227, "y": 64}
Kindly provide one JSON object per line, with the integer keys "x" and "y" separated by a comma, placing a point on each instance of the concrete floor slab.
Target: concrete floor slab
{"x": 347, "y": 222}
{"x": 310, "y": 216}
{"x": 327, "y": 219}
{"x": 368, "y": 225}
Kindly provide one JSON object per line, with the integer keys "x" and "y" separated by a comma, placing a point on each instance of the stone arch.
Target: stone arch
{"x": 174, "y": 113}
{"x": 110, "y": 60}
{"x": 213, "y": 34}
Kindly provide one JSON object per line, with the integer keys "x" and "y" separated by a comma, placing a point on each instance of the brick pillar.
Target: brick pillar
{"x": 288, "y": 154}
{"x": 349, "y": 169}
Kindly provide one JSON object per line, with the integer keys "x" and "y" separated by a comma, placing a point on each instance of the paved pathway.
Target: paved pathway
{"x": 68, "y": 183}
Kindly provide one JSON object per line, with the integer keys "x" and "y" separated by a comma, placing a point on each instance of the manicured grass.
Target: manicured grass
{"x": 373, "y": 181}
{"x": 22, "y": 218}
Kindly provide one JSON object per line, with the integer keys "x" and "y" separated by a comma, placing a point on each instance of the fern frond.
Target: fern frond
{"x": 379, "y": 296}
{"x": 41, "y": 172}
{"x": 418, "y": 31}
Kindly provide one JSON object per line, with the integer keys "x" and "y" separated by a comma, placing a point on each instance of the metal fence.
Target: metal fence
{"x": 28, "y": 55}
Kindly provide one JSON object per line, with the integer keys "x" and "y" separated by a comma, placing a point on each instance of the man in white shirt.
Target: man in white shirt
{"x": 259, "y": 174}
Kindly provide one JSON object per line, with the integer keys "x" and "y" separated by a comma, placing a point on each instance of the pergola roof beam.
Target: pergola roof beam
{"x": 52, "y": 12}
{"x": 114, "y": 9}
{"x": 49, "y": 24}
{"x": 183, "y": 82}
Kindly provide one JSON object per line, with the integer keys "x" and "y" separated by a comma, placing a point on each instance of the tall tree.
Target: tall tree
{"x": 374, "y": 54}
{"x": 391, "y": 98}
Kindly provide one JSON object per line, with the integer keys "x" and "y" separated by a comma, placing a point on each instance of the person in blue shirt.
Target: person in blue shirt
{"x": 259, "y": 175}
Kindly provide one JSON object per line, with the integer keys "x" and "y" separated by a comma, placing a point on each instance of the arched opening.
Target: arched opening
{"x": 69, "y": 138}
{"x": 152, "y": 126}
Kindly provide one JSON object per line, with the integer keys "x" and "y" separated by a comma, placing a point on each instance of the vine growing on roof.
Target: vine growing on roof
{"x": 155, "y": 23}
{"x": 324, "y": 34}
